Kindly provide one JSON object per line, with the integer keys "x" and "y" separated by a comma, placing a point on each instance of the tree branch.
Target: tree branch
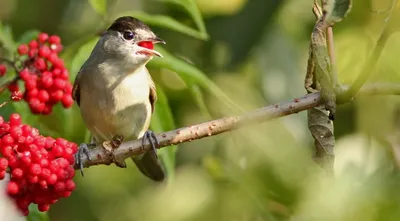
{"x": 127, "y": 149}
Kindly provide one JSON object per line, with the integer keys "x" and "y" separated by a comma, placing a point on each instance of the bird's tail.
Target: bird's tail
{"x": 149, "y": 164}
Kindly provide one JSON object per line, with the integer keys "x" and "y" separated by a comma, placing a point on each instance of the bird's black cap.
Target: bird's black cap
{"x": 126, "y": 23}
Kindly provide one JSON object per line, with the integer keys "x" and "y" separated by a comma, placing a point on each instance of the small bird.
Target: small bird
{"x": 116, "y": 94}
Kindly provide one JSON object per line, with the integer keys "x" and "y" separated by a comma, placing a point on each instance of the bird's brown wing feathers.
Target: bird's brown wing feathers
{"x": 76, "y": 89}
{"x": 153, "y": 94}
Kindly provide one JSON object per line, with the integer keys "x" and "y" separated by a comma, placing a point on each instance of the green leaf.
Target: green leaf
{"x": 6, "y": 38}
{"x": 36, "y": 215}
{"x": 199, "y": 99}
{"x": 28, "y": 36}
{"x": 337, "y": 10}
{"x": 167, "y": 22}
{"x": 191, "y": 7}
{"x": 162, "y": 120}
{"x": 191, "y": 75}
{"x": 100, "y": 6}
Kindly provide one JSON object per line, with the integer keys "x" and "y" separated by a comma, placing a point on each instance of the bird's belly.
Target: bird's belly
{"x": 125, "y": 110}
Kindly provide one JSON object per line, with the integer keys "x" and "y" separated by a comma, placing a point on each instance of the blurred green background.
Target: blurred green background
{"x": 224, "y": 57}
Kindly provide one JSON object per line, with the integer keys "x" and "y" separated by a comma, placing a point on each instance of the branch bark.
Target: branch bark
{"x": 127, "y": 149}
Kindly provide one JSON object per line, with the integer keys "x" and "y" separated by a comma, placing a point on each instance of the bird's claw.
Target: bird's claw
{"x": 151, "y": 137}
{"x": 113, "y": 144}
{"x": 83, "y": 150}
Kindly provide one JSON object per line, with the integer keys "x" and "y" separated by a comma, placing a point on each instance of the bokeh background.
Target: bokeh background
{"x": 224, "y": 57}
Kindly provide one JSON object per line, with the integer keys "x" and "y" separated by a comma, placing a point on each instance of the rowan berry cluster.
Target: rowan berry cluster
{"x": 44, "y": 75}
{"x": 40, "y": 168}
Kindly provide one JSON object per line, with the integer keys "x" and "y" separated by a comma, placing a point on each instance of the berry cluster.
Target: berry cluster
{"x": 41, "y": 168}
{"x": 44, "y": 75}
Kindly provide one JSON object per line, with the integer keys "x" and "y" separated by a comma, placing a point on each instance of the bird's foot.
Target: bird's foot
{"x": 151, "y": 137}
{"x": 83, "y": 150}
{"x": 113, "y": 144}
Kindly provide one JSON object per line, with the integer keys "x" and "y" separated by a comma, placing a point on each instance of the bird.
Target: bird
{"x": 116, "y": 94}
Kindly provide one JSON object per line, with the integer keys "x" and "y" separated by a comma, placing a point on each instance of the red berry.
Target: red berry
{"x": 54, "y": 39}
{"x": 46, "y": 81}
{"x": 33, "y": 179}
{"x": 17, "y": 173}
{"x": 44, "y": 51}
{"x": 60, "y": 83}
{"x": 43, "y": 37}
{"x": 2, "y": 174}
{"x": 67, "y": 101}
{"x": 12, "y": 188}
{"x": 7, "y": 140}
{"x": 43, "y": 96}
{"x": 3, "y": 69}
{"x": 13, "y": 87}
{"x": 15, "y": 120}
{"x": 43, "y": 207}
{"x": 69, "y": 185}
{"x": 57, "y": 95}
{"x": 33, "y": 44}
{"x": 32, "y": 53}
{"x": 16, "y": 132}
{"x": 23, "y": 49}
{"x": 59, "y": 186}
{"x": 30, "y": 84}
{"x": 35, "y": 169}
{"x": 52, "y": 179}
{"x": 16, "y": 95}
{"x": 40, "y": 64}
{"x": 3, "y": 164}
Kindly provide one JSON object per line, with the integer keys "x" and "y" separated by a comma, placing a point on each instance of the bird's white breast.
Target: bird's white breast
{"x": 122, "y": 106}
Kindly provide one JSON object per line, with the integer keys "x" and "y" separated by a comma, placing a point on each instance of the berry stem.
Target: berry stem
{"x": 6, "y": 84}
{"x": 11, "y": 63}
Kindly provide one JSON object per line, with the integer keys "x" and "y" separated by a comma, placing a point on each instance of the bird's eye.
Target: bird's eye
{"x": 128, "y": 35}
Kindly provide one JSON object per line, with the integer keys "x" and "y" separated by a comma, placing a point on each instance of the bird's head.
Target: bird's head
{"x": 130, "y": 40}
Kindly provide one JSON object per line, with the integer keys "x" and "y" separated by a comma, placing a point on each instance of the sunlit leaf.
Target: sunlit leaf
{"x": 191, "y": 7}
{"x": 162, "y": 120}
{"x": 337, "y": 10}
{"x": 100, "y": 6}
{"x": 165, "y": 21}
{"x": 191, "y": 75}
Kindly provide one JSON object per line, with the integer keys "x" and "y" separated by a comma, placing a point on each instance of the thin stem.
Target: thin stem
{"x": 369, "y": 67}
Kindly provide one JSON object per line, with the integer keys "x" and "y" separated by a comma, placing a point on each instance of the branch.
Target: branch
{"x": 127, "y": 149}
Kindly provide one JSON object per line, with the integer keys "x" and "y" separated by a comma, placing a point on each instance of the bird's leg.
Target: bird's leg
{"x": 115, "y": 142}
{"x": 83, "y": 150}
{"x": 151, "y": 137}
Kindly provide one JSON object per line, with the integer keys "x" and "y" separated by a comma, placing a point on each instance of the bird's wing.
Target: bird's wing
{"x": 76, "y": 88}
{"x": 153, "y": 93}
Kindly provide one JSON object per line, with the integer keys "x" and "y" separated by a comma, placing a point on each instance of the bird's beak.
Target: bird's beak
{"x": 146, "y": 50}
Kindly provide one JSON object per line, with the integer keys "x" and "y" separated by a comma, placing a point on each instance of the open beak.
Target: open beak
{"x": 148, "y": 51}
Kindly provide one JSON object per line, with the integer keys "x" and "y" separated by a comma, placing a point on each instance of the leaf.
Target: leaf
{"x": 162, "y": 120}
{"x": 321, "y": 129}
{"x": 191, "y": 7}
{"x": 6, "y": 38}
{"x": 336, "y": 10}
{"x": 199, "y": 99}
{"x": 191, "y": 75}
{"x": 28, "y": 36}
{"x": 36, "y": 215}
{"x": 167, "y": 22}
{"x": 100, "y": 6}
